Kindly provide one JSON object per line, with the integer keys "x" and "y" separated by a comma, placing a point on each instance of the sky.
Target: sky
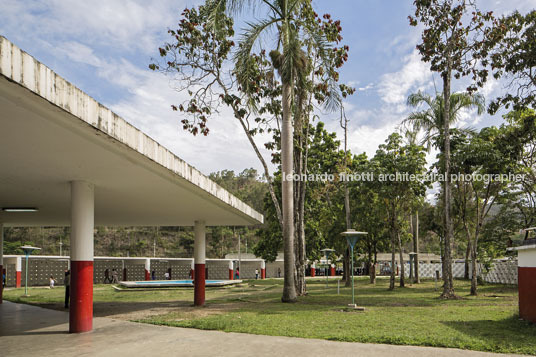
{"x": 104, "y": 48}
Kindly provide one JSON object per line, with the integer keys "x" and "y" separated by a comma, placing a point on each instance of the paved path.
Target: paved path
{"x": 33, "y": 331}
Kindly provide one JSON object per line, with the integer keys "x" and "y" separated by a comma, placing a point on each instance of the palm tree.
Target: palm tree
{"x": 431, "y": 122}
{"x": 282, "y": 15}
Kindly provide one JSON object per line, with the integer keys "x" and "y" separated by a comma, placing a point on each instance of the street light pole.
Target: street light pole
{"x": 327, "y": 251}
{"x": 351, "y": 237}
{"x": 27, "y": 250}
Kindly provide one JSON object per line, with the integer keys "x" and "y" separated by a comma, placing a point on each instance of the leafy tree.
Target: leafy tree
{"x": 393, "y": 159}
{"x": 512, "y": 55}
{"x": 451, "y": 41}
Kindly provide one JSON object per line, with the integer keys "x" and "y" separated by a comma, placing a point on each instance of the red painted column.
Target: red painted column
{"x": 81, "y": 307}
{"x": 147, "y": 269}
{"x": 199, "y": 285}
{"x": 527, "y": 293}
{"x": 18, "y": 272}
{"x": 313, "y": 272}
{"x": 81, "y": 287}
{"x": 332, "y": 271}
{"x": 199, "y": 260}
{"x": 231, "y": 271}
{"x": 263, "y": 270}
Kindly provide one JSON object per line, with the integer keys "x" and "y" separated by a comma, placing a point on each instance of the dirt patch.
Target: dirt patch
{"x": 139, "y": 311}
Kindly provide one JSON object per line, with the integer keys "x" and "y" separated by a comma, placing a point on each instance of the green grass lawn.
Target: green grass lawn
{"x": 413, "y": 315}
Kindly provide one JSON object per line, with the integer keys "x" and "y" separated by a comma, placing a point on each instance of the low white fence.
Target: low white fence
{"x": 501, "y": 271}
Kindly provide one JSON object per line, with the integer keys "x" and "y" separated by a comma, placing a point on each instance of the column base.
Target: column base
{"x": 527, "y": 293}
{"x": 263, "y": 273}
{"x": 199, "y": 285}
{"x": 313, "y": 272}
{"x": 18, "y": 279}
{"x": 81, "y": 307}
{"x": 147, "y": 275}
{"x": 231, "y": 274}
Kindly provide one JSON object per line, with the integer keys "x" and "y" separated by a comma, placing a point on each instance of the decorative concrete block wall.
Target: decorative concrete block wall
{"x": 271, "y": 269}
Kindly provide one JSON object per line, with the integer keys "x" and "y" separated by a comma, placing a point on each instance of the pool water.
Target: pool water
{"x": 176, "y": 282}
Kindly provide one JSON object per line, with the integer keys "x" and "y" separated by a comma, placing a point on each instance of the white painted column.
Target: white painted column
{"x": 82, "y": 226}
{"x": 263, "y": 269}
{"x": 231, "y": 270}
{"x": 199, "y": 261}
{"x": 147, "y": 269}
{"x": 18, "y": 271}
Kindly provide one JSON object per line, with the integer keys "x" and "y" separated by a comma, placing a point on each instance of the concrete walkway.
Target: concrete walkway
{"x": 33, "y": 331}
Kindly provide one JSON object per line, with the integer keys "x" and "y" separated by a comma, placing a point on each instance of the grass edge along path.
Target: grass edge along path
{"x": 407, "y": 316}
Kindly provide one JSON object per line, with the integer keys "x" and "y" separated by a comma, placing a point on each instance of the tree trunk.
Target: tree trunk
{"x": 301, "y": 288}
{"x": 467, "y": 257}
{"x": 259, "y": 156}
{"x": 393, "y": 260}
{"x": 448, "y": 285}
{"x": 416, "y": 280}
{"x": 474, "y": 272}
{"x": 373, "y": 268}
{"x": 287, "y": 152}
{"x": 401, "y": 254}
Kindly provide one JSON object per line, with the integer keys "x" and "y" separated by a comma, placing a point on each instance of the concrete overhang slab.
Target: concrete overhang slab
{"x": 52, "y": 133}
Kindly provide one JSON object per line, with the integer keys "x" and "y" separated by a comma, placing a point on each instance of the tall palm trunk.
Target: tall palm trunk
{"x": 346, "y": 191}
{"x": 394, "y": 232}
{"x": 448, "y": 286}
{"x": 416, "y": 278}
{"x": 287, "y": 161}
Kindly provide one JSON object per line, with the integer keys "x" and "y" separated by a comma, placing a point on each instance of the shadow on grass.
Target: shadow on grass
{"x": 510, "y": 334}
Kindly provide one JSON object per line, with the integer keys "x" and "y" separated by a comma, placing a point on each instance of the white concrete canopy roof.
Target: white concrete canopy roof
{"x": 52, "y": 133}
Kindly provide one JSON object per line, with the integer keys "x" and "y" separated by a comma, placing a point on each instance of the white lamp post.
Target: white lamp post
{"x": 327, "y": 252}
{"x": 351, "y": 237}
{"x": 27, "y": 250}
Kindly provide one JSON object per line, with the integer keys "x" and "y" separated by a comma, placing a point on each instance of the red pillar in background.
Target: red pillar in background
{"x": 263, "y": 273}
{"x": 527, "y": 293}
{"x": 199, "y": 285}
{"x": 81, "y": 307}
{"x": 230, "y": 274}
{"x": 18, "y": 272}
{"x": 332, "y": 271}
{"x": 313, "y": 272}
{"x": 147, "y": 269}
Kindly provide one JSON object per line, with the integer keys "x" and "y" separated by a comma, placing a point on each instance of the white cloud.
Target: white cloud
{"x": 414, "y": 75}
{"x": 79, "y": 53}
